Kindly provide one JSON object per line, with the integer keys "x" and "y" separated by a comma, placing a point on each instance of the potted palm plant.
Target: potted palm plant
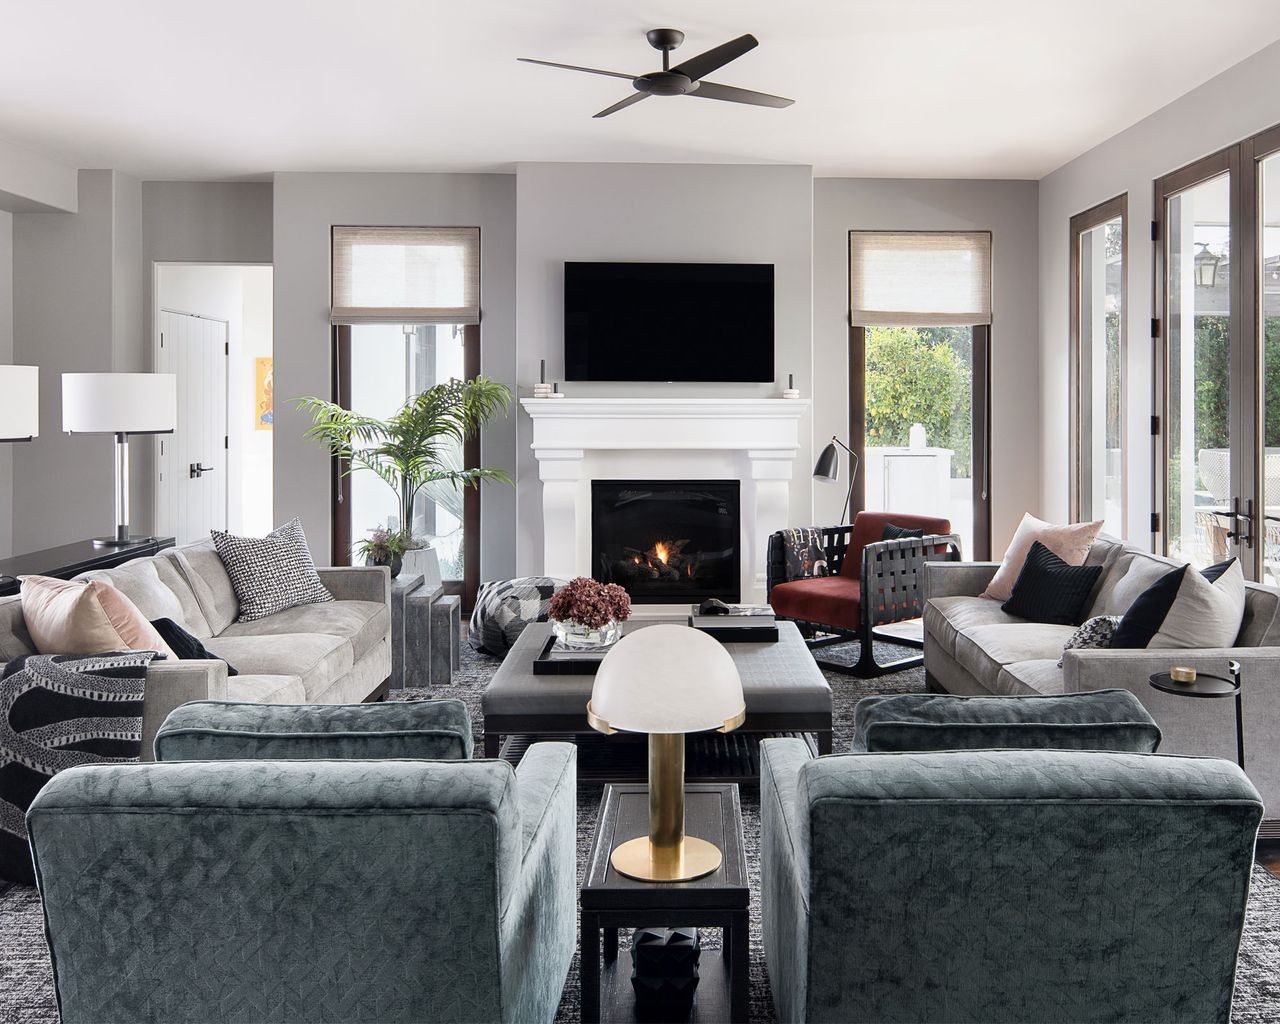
{"x": 418, "y": 447}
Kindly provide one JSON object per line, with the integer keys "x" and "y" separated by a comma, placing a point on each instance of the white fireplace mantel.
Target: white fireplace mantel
{"x": 576, "y": 440}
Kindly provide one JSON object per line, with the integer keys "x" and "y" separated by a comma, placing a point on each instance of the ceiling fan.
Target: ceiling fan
{"x": 685, "y": 79}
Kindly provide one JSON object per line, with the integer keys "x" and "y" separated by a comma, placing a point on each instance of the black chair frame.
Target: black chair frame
{"x": 891, "y": 590}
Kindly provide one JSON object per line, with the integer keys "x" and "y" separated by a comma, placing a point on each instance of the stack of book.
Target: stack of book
{"x": 744, "y": 624}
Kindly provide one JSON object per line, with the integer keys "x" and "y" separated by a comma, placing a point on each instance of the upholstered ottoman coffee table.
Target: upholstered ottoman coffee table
{"x": 784, "y": 689}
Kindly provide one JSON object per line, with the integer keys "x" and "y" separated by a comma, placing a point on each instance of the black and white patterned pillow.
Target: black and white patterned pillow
{"x": 1094, "y": 632}
{"x": 802, "y": 549}
{"x": 57, "y": 712}
{"x": 505, "y": 607}
{"x": 271, "y": 573}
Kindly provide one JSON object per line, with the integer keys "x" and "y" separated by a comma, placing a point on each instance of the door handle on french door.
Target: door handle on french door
{"x": 1240, "y": 536}
{"x": 196, "y": 470}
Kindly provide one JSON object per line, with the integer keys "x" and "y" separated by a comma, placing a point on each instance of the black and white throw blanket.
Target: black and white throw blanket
{"x": 56, "y": 712}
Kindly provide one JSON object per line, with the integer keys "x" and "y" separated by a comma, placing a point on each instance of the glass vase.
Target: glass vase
{"x": 577, "y": 637}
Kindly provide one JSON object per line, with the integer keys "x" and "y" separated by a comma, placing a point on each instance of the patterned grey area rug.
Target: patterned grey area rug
{"x": 26, "y": 990}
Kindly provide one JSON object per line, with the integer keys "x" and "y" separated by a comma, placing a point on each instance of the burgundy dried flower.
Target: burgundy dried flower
{"x": 590, "y": 603}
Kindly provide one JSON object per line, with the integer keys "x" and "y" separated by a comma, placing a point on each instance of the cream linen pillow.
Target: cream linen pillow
{"x": 64, "y": 617}
{"x": 1070, "y": 543}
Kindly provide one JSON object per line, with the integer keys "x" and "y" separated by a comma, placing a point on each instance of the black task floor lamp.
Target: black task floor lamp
{"x": 828, "y": 468}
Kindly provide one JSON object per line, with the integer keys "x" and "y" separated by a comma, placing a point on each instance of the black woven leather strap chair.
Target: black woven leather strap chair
{"x": 869, "y": 583}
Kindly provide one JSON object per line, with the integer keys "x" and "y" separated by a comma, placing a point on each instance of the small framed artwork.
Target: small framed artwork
{"x": 264, "y": 406}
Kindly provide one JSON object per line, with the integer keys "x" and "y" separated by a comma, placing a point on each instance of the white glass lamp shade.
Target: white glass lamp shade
{"x": 667, "y": 679}
{"x": 119, "y": 403}
{"x": 19, "y": 402}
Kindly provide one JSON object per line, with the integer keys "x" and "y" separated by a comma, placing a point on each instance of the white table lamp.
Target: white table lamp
{"x": 666, "y": 680}
{"x": 120, "y": 404}
{"x": 19, "y": 403}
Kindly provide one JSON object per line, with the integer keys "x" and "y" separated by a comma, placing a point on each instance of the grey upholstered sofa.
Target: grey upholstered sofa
{"x": 331, "y": 653}
{"x": 1003, "y": 885}
{"x": 240, "y": 890}
{"x": 972, "y": 647}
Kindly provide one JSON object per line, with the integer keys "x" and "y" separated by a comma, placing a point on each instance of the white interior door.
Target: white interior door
{"x": 191, "y": 486}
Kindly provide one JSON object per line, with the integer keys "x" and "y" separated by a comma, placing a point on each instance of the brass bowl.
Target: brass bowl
{"x": 1182, "y": 674}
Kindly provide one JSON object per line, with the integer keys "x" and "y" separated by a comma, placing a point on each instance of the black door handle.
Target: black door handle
{"x": 198, "y": 470}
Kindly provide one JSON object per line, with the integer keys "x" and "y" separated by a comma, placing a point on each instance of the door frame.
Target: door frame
{"x": 1096, "y": 217}
{"x": 980, "y": 414}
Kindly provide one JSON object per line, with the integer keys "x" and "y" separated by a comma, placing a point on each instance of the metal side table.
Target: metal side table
{"x": 1205, "y": 685}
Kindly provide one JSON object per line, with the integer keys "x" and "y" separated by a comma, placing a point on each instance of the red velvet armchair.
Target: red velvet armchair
{"x": 870, "y": 583}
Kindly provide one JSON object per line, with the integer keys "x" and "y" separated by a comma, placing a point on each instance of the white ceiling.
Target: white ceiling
{"x": 911, "y": 88}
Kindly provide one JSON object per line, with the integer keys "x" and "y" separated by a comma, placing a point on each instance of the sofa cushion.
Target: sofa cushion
{"x": 1261, "y": 624}
{"x": 1097, "y": 720}
{"x": 1039, "y": 677}
{"x": 319, "y": 659}
{"x": 1050, "y": 590}
{"x": 1128, "y": 576}
{"x": 159, "y": 589}
{"x": 262, "y": 689}
{"x": 208, "y": 578}
{"x": 984, "y": 650}
{"x": 271, "y": 573}
{"x": 85, "y": 617}
{"x": 1186, "y": 609}
{"x": 1072, "y": 543}
{"x": 828, "y": 600}
{"x": 15, "y": 640}
{"x": 364, "y": 623}
{"x": 946, "y": 617}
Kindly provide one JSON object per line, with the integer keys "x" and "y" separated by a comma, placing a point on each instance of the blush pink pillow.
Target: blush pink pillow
{"x": 64, "y": 617}
{"x": 1070, "y": 543}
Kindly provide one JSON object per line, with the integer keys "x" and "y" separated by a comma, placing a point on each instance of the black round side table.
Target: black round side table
{"x": 1205, "y": 685}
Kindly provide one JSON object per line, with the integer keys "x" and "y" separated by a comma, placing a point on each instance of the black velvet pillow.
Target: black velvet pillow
{"x": 1050, "y": 590}
{"x": 186, "y": 646}
{"x": 1147, "y": 613}
{"x": 892, "y": 532}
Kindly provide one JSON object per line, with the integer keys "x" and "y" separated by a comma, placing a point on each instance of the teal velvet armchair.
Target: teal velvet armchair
{"x": 309, "y": 887}
{"x": 1003, "y": 885}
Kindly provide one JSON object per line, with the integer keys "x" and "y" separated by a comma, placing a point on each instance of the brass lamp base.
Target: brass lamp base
{"x": 691, "y": 858}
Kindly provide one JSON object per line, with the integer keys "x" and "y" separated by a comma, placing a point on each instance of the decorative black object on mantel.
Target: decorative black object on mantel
{"x": 71, "y": 560}
{"x": 664, "y": 971}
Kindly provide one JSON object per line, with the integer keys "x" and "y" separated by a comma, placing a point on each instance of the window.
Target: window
{"x": 1097, "y": 364}
{"x": 406, "y": 316}
{"x": 920, "y": 315}
{"x": 1218, "y": 257}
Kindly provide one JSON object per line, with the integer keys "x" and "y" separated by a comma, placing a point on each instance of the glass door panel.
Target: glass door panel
{"x": 1100, "y": 354}
{"x": 389, "y": 364}
{"x": 1200, "y": 483}
{"x": 1269, "y": 342}
{"x": 919, "y": 442}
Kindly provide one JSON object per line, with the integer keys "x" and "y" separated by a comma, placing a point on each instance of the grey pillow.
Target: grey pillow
{"x": 271, "y": 573}
{"x": 1097, "y": 720}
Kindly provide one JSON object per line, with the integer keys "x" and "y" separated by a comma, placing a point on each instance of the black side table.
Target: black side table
{"x": 611, "y": 901}
{"x": 1209, "y": 686}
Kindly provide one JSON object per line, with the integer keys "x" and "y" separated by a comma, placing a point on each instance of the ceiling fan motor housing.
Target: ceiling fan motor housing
{"x": 664, "y": 83}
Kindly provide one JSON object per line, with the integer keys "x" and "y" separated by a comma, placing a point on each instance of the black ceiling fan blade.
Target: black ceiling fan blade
{"x": 716, "y": 58}
{"x": 712, "y": 91}
{"x": 635, "y": 98}
{"x": 574, "y": 67}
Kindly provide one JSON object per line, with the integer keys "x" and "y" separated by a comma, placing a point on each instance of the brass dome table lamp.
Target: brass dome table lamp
{"x": 666, "y": 680}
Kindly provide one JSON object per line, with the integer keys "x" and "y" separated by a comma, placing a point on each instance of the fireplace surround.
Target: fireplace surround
{"x": 672, "y": 541}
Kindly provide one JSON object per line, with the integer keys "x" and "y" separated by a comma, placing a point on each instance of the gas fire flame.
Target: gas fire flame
{"x": 660, "y": 549}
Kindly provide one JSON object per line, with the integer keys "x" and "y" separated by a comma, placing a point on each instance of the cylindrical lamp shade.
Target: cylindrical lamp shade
{"x": 119, "y": 403}
{"x": 19, "y": 402}
{"x": 667, "y": 679}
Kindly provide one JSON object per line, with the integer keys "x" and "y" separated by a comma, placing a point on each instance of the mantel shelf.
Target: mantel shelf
{"x": 665, "y": 408}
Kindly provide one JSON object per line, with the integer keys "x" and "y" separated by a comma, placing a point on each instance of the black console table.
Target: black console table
{"x": 72, "y": 559}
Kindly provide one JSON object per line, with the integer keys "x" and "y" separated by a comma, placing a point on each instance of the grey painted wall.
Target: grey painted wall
{"x": 1239, "y": 102}
{"x": 63, "y": 271}
{"x": 6, "y": 356}
{"x": 306, "y": 206}
{"x": 1008, "y": 210}
{"x": 659, "y": 212}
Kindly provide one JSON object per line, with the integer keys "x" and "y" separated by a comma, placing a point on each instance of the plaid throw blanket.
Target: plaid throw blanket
{"x": 58, "y": 711}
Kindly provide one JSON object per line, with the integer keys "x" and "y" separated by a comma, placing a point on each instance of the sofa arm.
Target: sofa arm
{"x": 539, "y": 925}
{"x": 170, "y": 684}
{"x": 420, "y": 730}
{"x": 957, "y": 579}
{"x": 784, "y": 873}
{"x": 357, "y": 583}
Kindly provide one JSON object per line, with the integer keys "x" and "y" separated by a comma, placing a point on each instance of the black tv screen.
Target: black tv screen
{"x": 668, "y": 321}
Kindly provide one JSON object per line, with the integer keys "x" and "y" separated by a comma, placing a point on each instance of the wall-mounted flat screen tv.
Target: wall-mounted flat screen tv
{"x": 668, "y": 321}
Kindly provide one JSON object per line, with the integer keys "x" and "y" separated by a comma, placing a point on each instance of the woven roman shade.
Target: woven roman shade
{"x": 919, "y": 278}
{"x": 406, "y": 275}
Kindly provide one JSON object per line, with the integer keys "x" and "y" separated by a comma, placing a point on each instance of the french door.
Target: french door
{"x": 1217, "y": 443}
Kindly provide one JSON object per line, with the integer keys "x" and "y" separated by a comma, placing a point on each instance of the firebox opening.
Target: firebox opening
{"x": 667, "y": 540}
